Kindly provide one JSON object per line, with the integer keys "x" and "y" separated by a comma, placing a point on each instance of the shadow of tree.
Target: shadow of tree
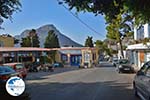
{"x": 6, "y": 96}
{"x": 106, "y": 64}
{"x": 109, "y": 90}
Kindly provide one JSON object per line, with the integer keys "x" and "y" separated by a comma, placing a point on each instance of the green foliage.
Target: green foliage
{"x": 32, "y": 40}
{"x": 138, "y": 9}
{"x": 7, "y": 8}
{"x": 26, "y": 42}
{"x": 102, "y": 47}
{"x": 124, "y": 47}
{"x": 45, "y": 59}
{"x": 89, "y": 42}
{"x": 145, "y": 40}
{"x": 51, "y": 40}
{"x": 119, "y": 28}
{"x": 35, "y": 41}
{"x": 130, "y": 34}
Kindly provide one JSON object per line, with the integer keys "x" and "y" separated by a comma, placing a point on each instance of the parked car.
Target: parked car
{"x": 141, "y": 82}
{"x": 58, "y": 64}
{"x": 34, "y": 67}
{"x": 5, "y": 73}
{"x": 115, "y": 61}
{"x": 103, "y": 61}
{"x": 18, "y": 67}
{"x": 124, "y": 65}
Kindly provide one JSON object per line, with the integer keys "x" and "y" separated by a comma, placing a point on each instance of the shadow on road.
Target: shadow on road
{"x": 6, "y": 96}
{"x": 110, "y": 90}
{"x": 41, "y": 74}
{"x": 106, "y": 64}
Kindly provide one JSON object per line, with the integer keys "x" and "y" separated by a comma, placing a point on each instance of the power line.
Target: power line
{"x": 89, "y": 27}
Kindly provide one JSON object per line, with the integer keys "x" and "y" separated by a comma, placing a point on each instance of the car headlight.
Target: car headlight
{"x": 120, "y": 66}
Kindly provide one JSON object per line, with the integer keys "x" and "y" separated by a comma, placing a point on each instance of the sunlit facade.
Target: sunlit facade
{"x": 142, "y": 32}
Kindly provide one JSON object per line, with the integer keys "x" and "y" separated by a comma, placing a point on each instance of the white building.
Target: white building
{"x": 139, "y": 53}
{"x": 142, "y": 32}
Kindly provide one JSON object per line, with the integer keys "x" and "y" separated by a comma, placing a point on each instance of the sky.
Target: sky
{"x": 36, "y": 13}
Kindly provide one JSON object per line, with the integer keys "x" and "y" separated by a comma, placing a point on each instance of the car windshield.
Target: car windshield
{"x": 124, "y": 61}
{"x": 6, "y": 69}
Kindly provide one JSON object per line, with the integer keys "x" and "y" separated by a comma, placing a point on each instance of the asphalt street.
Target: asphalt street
{"x": 100, "y": 83}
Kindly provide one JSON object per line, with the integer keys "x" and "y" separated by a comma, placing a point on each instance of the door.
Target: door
{"x": 75, "y": 60}
{"x": 146, "y": 82}
{"x": 140, "y": 80}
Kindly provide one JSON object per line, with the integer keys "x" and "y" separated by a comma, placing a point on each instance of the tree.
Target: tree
{"x": 26, "y": 42}
{"x": 102, "y": 47}
{"x": 7, "y": 8}
{"x": 89, "y": 42}
{"x": 137, "y": 9}
{"x": 118, "y": 29}
{"x": 36, "y": 42}
{"x": 32, "y": 40}
{"x": 51, "y": 41}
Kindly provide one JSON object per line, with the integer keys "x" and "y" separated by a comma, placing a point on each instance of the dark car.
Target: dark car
{"x": 141, "y": 82}
{"x": 34, "y": 67}
{"x": 124, "y": 65}
{"x": 58, "y": 64}
{"x": 18, "y": 67}
{"x": 5, "y": 73}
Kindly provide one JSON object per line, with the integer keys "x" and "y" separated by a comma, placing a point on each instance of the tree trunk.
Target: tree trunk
{"x": 121, "y": 48}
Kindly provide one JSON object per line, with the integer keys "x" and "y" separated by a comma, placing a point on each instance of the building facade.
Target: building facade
{"x": 6, "y": 41}
{"x": 142, "y": 32}
{"x": 138, "y": 54}
{"x": 71, "y": 56}
{"x": 77, "y": 56}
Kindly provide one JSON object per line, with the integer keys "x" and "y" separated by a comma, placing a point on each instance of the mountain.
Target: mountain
{"x": 43, "y": 32}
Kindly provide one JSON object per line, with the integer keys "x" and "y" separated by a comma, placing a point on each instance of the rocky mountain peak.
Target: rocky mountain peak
{"x": 43, "y": 32}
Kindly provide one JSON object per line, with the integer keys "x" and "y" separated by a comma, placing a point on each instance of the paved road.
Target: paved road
{"x": 102, "y": 83}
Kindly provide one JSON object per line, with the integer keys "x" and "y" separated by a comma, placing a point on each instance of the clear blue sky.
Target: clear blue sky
{"x": 36, "y": 13}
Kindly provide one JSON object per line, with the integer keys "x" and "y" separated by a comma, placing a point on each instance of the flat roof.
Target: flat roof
{"x": 139, "y": 46}
{"x": 7, "y": 49}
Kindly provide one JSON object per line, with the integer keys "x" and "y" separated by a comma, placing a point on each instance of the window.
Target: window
{"x": 147, "y": 73}
{"x": 149, "y": 29}
{"x": 1, "y": 44}
{"x": 140, "y": 32}
{"x": 145, "y": 66}
{"x": 64, "y": 57}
